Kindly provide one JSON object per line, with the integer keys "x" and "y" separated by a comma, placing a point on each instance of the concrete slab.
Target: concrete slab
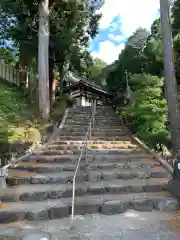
{"x": 131, "y": 225}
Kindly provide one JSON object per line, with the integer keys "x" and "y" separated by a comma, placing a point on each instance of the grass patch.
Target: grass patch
{"x": 20, "y": 125}
{"x": 59, "y": 108}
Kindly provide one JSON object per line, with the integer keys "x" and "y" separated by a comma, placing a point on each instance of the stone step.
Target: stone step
{"x": 41, "y": 192}
{"x": 95, "y": 138}
{"x": 96, "y": 118}
{"x": 98, "y": 111}
{"x": 86, "y": 117}
{"x": 105, "y": 204}
{"x": 96, "y": 134}
{"x": 72, "y": 143}
{"x": 90, "y": 146}
{"x": 89, "y": 115}
{"x": 74, "y": 158}
{"x": 98, "y": 128}
{"x": 80, "y": 107}
{"x": 16, "y": 177}
{"x": 96, "y": 122}
{"x": 55, "y": 167}
{"x": 89, "y": 111}
{"x": 126, "y": 164}
{"x": 139, "y": 173}
{"x": 80, "y": 111}
{"x": 71, "y": 123}
{"x": 98, "y": 125}
{"x": 130, "y": 159}
{"x": 119, "y": 152}
{"x": 88, "y": 107}
{"x": 46, "y": 167}
{"x": 113, "y": 146}
{"x": 94, "y": 130}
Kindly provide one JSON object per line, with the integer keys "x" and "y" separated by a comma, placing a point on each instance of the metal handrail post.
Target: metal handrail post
{"x": 73, "y": 200}
{"x": 74, "y": 181}
{"x": 77, "y": 167}
{"x": 92, "y": 107}
{"x": 86, "y": 152}
{"x": 94, "y": 111}
{"x": 90, "y": 132}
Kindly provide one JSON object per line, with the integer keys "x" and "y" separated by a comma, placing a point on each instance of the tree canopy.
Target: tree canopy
{"x": 97, "y": 71}
{"x": 140, "y": 64}
{"x": 72, "y": 24}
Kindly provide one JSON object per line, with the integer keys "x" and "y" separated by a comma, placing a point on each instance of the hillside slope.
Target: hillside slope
{"x": 18, "y": 123}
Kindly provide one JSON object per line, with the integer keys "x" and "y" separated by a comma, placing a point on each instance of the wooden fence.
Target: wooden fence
{"x": 12, "y": 74}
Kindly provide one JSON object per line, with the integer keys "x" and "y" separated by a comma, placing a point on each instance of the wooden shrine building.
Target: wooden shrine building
{"x": 86, "y": 92}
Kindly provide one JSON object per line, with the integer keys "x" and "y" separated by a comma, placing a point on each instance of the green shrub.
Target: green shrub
{"x": 59, "y": 108}
{"x": 148, "y": 113}
{"x": 70, "y": 102}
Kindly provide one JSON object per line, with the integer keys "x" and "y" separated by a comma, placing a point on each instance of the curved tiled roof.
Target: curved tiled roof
{"x": 90, "y": 86}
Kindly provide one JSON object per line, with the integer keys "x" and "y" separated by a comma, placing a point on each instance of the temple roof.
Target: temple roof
{"x": 88, "y": 86}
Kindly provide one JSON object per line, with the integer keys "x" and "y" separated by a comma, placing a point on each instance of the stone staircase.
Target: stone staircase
{"x": 120, "y": 174}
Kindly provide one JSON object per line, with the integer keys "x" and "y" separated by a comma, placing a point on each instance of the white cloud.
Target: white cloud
{"x": 113, "y": 37}
{"x": 133, "y": 14}
{"x": 108, "y": 52}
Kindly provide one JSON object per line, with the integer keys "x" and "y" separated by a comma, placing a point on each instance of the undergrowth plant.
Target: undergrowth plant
{"x": 148, "y": 112}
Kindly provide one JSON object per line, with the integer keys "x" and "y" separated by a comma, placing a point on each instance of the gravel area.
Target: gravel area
{"x": 132, "y": 225}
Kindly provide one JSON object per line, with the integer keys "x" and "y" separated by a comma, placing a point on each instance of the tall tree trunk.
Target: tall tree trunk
{"x": 60, "y": 57}
{"x": 52, "y": 83}
{"x": 43, "y": 59}
{"x": 61, "y": 73}
{"x": 170, "y": 79}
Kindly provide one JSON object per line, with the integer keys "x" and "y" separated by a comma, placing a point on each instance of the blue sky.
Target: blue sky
{"x": 120, "y": 19}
